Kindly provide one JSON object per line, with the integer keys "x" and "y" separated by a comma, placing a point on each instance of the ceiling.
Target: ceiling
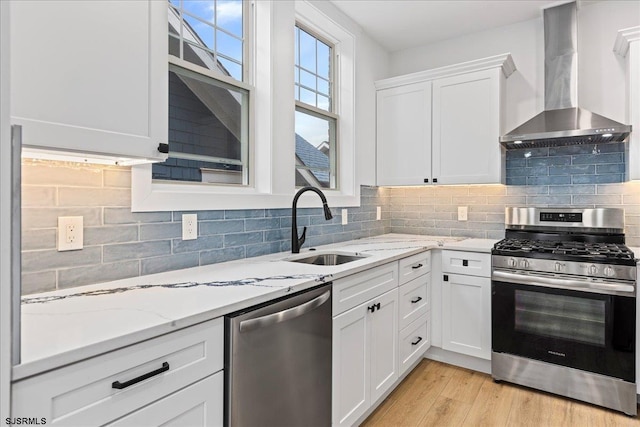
{"x": 403, "y": 24}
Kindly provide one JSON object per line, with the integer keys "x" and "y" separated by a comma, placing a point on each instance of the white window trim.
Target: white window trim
{"x": 272, "y": 117}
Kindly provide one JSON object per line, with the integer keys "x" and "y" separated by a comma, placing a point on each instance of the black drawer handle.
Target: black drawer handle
{"x": 372, "y": 308}
{"x": 445, "y": 277}
{"x": 417, "y": 341}
{"x": 413, "y": 301}
{"x": 120, "y": 386}
{"x": 416, "y": 266}
{"x": 465, "y": 263}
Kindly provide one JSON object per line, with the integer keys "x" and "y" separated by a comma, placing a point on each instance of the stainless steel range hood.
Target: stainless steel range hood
{"x": 562, "y": 122}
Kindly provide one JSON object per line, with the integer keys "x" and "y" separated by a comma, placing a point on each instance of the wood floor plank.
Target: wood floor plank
{"x": 418, "y": 396}
{"x": 464, "y": 385}
{"x": 445, "y": 412}
{"x": 492, "y": 405}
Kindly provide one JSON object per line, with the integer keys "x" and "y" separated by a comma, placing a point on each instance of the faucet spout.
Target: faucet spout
{"x": 297, "y": 242}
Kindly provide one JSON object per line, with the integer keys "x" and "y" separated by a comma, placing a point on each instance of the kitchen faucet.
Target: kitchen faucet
{"x": 296, "y": 242}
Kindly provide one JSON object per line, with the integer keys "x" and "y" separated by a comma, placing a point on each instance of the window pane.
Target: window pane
{"x": 209, "y": 31}
{"x": 323, "y": 103}
{"x": 208, "y": 131}
{"x": 323, "y": 86}
{"x": 229, "y": 16}
{"x": 229, "y": 46}
{"x": 308, "y": 80}
{"x": 315, "y": 150}
{"x": 307, "y": 51}
{"x": 324, "y": 59}
{"x": 198, "y": 32}
{"x": 232, "y": 68}
{"x": 201, "y": 8}
{"x": 307, "y": 96}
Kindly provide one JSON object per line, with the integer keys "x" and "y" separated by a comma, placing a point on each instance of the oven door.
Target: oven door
{"x": 588, "y": 331}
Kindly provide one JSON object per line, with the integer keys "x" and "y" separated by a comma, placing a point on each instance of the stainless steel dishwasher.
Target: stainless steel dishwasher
{"x": 278, "y": 362}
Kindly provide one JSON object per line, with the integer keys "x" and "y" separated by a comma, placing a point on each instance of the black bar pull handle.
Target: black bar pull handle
{"x": 120, "y": 386}
{"x": 426, "y": 180}
{"x": 445, "y": 278}
{"x": 377, "y": 306}
{"x": 416, "y": 266}
{"x": 465, "y": 263}
{"x": 372, "y": 308}
{"x": 435, "y": 180}
{"x": 413, "y": 301}
{"x": 416, "y": 341}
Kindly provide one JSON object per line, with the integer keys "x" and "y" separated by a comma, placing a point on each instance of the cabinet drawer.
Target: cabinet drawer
{"x": 415, "y": 339}
{"x": 470, "y": 263}
{"x": 414, "y": 266}
{"x": 358, "y": 288}
{"x": 415, "y": 299}
{"x": 200, "y": 404}
{"x": 83, "y": 393}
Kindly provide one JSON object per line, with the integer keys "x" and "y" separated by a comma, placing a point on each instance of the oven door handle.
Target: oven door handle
{"x": 578, "y": 285}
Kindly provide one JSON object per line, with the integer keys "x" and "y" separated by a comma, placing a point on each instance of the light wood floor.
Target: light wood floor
{"x": 437, "y": 394}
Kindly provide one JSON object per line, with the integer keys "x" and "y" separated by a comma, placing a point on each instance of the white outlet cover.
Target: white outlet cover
{"x": 189, "y": 226}
{"x": 378, "y": 213}
{"x": 345, "y": 217}
{"x": 70, "y": 233}
{"x": 462, "y": 213}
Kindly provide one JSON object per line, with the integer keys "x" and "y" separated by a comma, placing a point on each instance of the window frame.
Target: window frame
{"x": 330, "y": 114}
{"x": 272, "y": 106}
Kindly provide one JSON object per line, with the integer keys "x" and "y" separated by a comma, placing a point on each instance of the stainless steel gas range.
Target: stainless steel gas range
{"x": 564, "y": 305}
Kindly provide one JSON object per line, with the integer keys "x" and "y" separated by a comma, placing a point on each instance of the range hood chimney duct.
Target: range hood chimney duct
{"x": 563, "y": 122}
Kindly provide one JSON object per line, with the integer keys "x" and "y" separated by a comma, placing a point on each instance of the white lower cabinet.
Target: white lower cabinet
{"x": 365, "y": 356}
{"x": 103, "y": 389}
{"x": 200, "y": 404}
{"x": 466, "y": 315}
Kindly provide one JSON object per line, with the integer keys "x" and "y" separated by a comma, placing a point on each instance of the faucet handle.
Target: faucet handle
{"x": 302, "y": 238}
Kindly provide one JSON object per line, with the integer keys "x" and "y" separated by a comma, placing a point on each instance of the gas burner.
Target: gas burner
{"x": 570, "y": 250}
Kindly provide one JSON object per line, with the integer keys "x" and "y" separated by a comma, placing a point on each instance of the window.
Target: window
{"x": 315, "y": 120}
{"x": 208, "y": 103}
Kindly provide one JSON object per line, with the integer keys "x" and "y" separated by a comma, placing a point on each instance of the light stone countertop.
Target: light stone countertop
{"x": 70, "y": 325}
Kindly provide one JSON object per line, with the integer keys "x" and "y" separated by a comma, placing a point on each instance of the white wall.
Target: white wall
{"x": 601, "y": 73}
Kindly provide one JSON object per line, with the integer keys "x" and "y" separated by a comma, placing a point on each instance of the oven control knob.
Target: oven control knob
{"x": 593, "y": 269}
{"x": 524, "y": 263}
{"x": 511, "y": 262}
{"x": 609, "y": 271}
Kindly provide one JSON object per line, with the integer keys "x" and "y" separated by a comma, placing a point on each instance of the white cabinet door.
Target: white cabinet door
{"x": 466, "y": 315}
{"x": 351, "y": 390}
{"x": 384, "y": 343}
{"x": 91, "y": 76}
{"x": 365, "y": 356}
{"x": 404, "y": 134}
{"x": 199, "y": 405}
{"x": 466, "y": 128}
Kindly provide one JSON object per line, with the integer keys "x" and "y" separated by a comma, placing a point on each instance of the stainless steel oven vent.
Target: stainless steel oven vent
{"x": 563, "y": 122}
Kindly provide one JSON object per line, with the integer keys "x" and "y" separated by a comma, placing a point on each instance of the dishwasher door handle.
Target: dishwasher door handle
{"x": 284, "y": 315}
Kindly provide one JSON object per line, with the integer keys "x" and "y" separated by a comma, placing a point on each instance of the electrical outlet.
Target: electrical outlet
{"x": 462, "y": 213}
{"x": 189, "y": 226}
{"x": 345, "y": 217}
{"x": 378, "y": 213}
{"x": 70, "y": 233}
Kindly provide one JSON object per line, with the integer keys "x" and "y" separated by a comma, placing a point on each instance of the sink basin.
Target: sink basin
{"x": 328, "y": 258}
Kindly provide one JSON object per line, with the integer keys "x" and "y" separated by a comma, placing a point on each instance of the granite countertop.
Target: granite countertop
{"x": 69, "y": 325}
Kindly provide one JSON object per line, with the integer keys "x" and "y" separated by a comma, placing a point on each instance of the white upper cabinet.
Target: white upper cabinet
{"x": 466, "y": 128}
{"x": 404, "y": 134}
{"x": 442, "y": 126}
{"x": 90, "y": 77}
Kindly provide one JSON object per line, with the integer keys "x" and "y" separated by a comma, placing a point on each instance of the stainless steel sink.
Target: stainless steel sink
{"x": 328, "y": 258}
